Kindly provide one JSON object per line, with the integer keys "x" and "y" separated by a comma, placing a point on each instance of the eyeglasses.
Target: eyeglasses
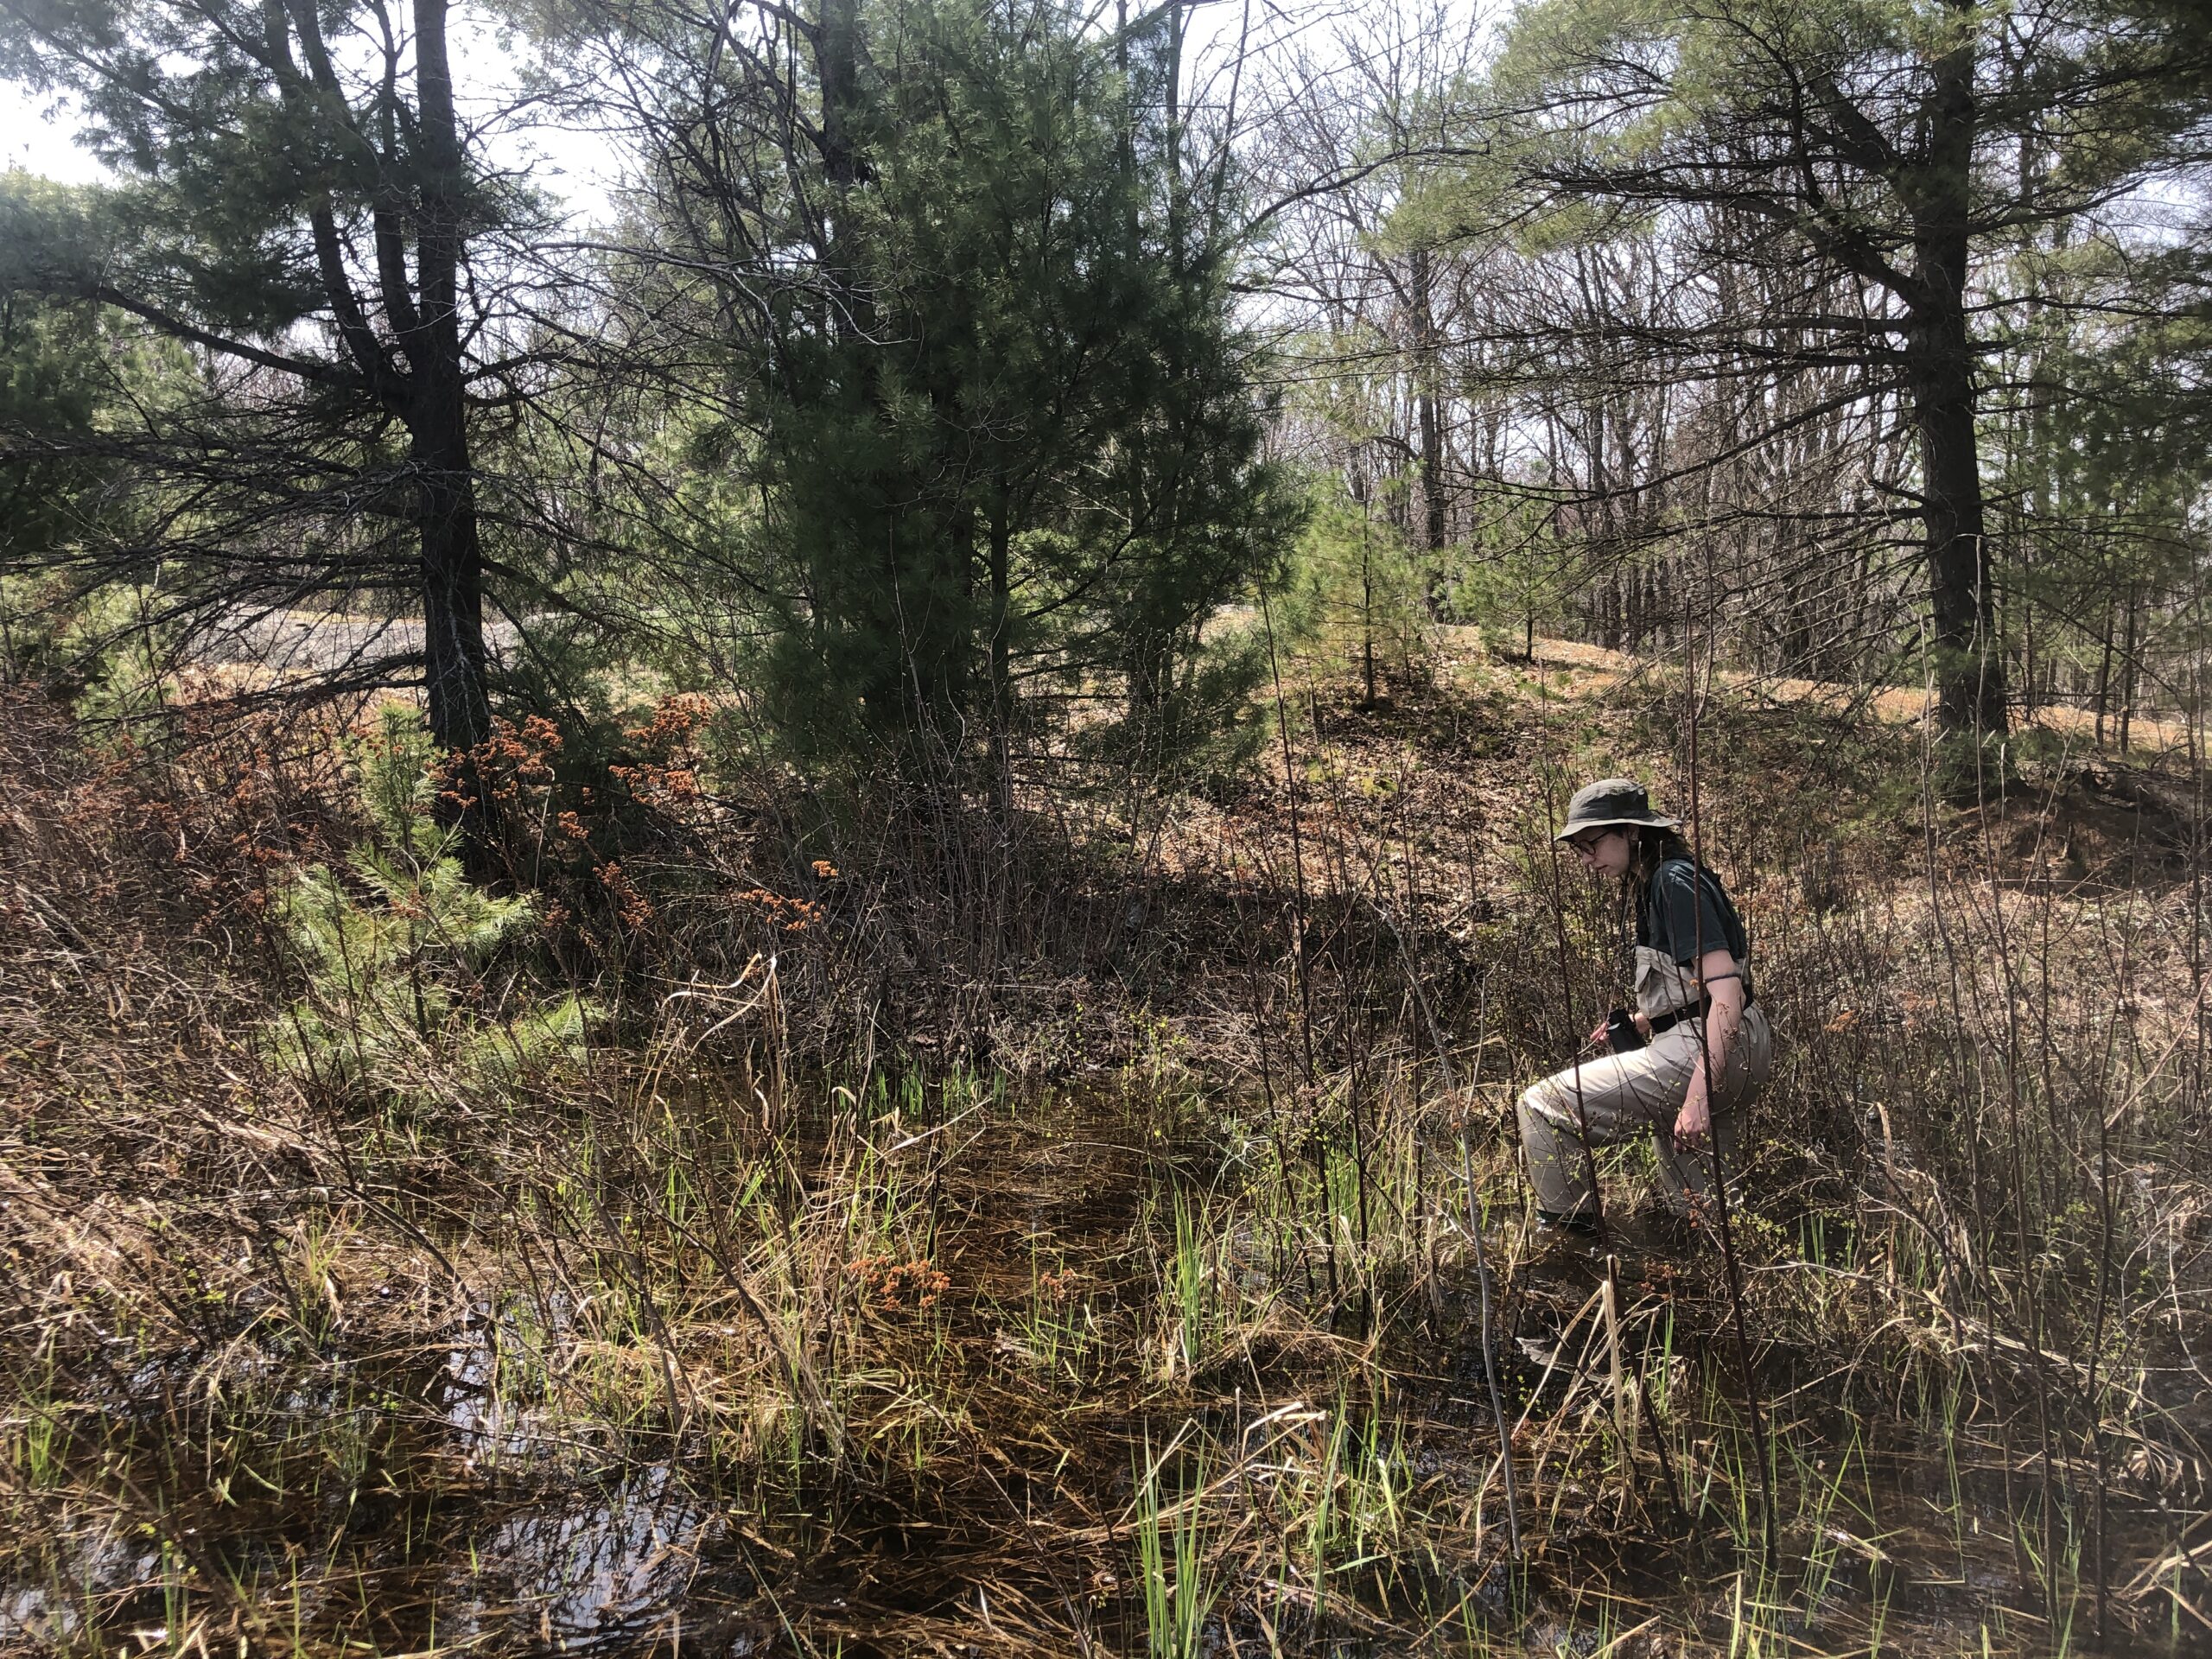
{"x": 1586, "y": 842}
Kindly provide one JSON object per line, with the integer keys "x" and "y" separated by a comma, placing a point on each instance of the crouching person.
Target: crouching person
{"x": 1695, "y": 1051}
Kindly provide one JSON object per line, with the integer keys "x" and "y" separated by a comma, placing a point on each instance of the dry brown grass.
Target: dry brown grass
{"x": 1595, "y": 670}
{"x": 1037, "y": 1202}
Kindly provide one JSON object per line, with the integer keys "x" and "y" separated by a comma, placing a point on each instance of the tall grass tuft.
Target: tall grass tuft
{"x": 1172, "y": 1572}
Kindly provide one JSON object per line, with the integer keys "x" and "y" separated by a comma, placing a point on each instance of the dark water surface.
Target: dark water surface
{"x": 477, "y": 1524}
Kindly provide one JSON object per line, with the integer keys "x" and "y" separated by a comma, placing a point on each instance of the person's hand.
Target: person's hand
{"x": 1598, "y": 1034}
{"x": 1692, "y": 1124}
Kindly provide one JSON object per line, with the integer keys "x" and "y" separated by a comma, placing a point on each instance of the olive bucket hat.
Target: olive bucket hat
{"x": 1611, "y": 801}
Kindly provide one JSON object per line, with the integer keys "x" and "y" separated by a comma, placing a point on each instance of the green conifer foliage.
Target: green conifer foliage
{"x": 1877, "y": 166}
{"x": 394, "y": 948}
{"x": 301, "y": 208}
{"x": 51, "y": 378}
{"x": 69, "y": 376}
{"x": 1001, "y": 428}
{"x": 1360, "y": 593}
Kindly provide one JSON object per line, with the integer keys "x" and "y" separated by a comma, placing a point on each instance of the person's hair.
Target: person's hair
{"x": 1651, "y": 845}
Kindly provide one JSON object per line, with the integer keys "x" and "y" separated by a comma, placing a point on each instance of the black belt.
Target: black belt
{"x": 1668, "y": 1021}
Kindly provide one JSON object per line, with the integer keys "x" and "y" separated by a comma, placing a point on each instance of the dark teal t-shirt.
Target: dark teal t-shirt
{"x": 1685, "y": 913}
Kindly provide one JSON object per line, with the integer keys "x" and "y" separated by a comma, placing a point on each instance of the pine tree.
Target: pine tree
{"x": 300, "y": 207}
{"x": 68, "y": 377}
{"x": 981, "y": 377}
{"x": 1878, "y": 161}
{"x": 53, "y": 377}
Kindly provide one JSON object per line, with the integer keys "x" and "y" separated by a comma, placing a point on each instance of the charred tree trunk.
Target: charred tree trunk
{"x": 341, "y": 269}
{"x": 836, "y": 41}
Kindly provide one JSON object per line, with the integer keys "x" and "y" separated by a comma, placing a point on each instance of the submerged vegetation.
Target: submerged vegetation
{"x": 376, "y": 1284}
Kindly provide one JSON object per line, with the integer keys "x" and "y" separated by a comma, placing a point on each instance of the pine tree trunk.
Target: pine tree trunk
{"x": 2104, "y": 679}
{"x": 1430, "y": 410}
{"x": 1970, "y": 674}
{"x": 2128, "y": 671}
{"x": 1001, "y": 652}
{"x": 455, "y": 675}
{"x": 453, "y": 586}
{"x": 1970, "y": 670}
{"x": 837, "y": 63}
{"x": 1366, "y": 616}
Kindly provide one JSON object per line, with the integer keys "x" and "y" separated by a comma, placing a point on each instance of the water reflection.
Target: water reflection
{"x": 598, "y": 1569}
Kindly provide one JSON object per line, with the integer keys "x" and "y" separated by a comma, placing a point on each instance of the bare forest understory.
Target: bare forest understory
{"x": 913, "y": 1225}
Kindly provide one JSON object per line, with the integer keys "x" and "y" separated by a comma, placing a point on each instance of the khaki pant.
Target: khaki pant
{"x": 1617, "y": 1097}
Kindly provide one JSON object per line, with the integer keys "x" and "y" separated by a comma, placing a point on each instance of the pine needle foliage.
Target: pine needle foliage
{"x": 397, "y": 946}
{"x": 988, "y": 461}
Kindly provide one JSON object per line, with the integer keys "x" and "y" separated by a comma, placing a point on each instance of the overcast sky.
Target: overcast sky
{"x": 581, "y": 168}
{"x": 38, "y": 132}
{"x": 39, "y": 142}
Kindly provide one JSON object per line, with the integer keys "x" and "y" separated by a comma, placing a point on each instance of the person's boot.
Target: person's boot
{"x": 1584, "y": 1222}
